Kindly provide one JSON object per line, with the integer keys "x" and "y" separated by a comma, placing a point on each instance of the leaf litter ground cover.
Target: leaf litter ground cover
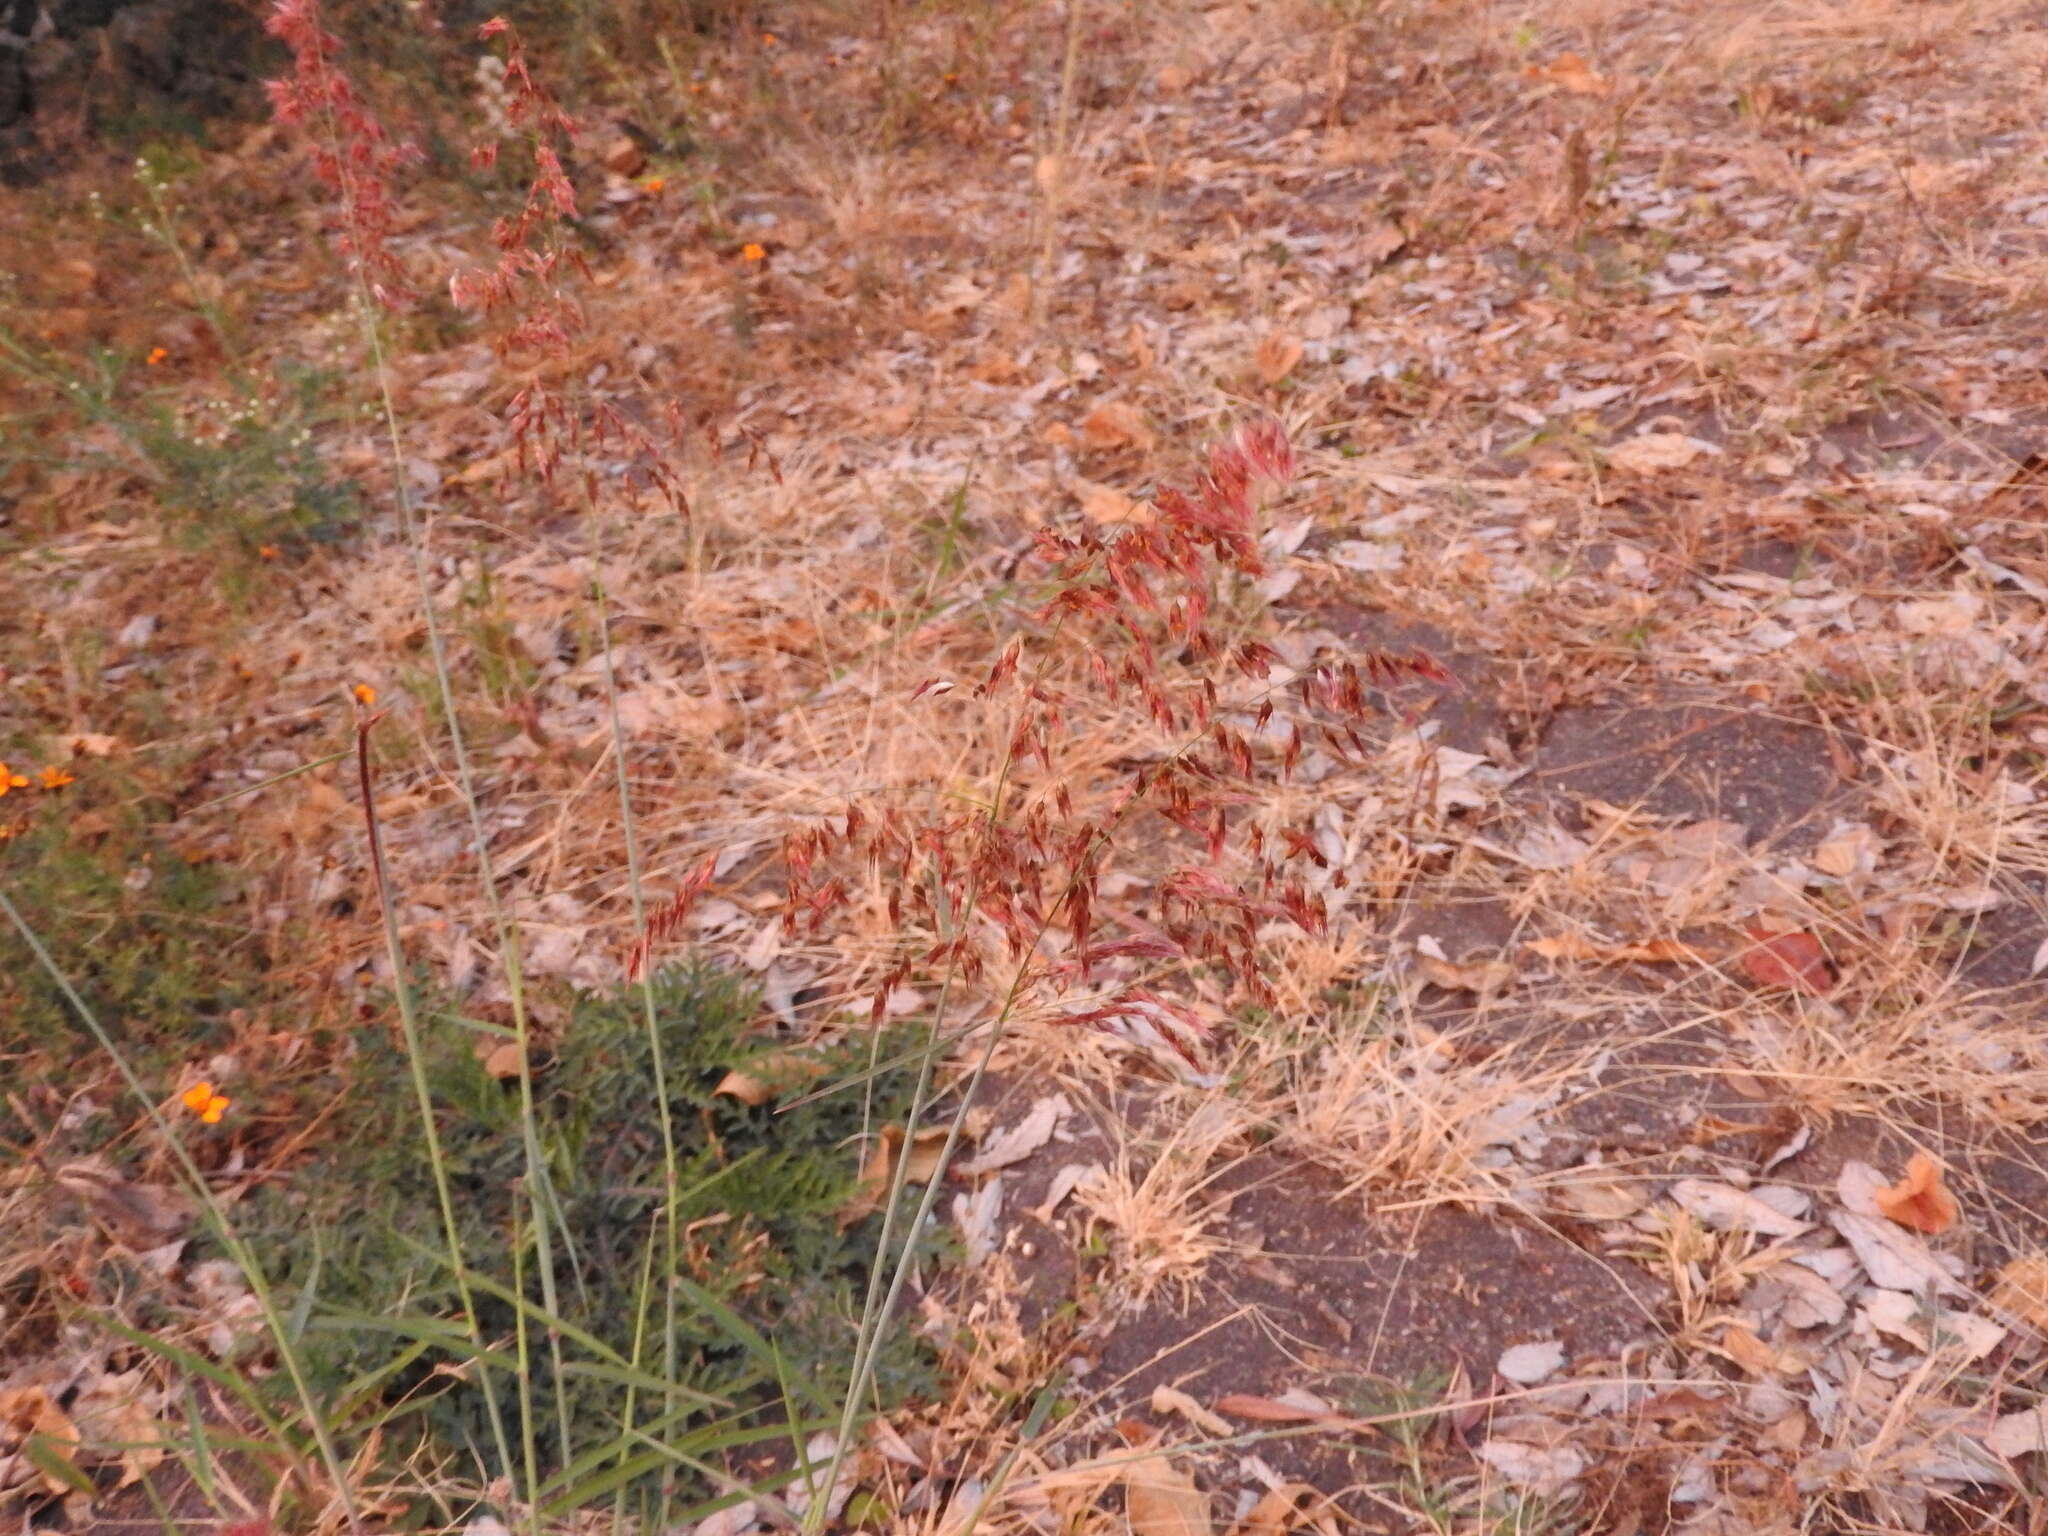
{"x": 1651, "y": 1139}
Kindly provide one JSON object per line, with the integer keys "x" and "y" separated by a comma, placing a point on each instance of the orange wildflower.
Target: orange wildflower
{"x": 205, "y": 1103}
{"x": 156, "y": 356}
{"x": 9, "y": 779}
{"x": 365, "y": 694}
{"x": 54, "y": 777}
{"x": 751, "y": 252}
{"x": 653, "y": 184}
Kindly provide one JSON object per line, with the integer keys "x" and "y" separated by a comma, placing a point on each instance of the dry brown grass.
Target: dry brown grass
{"x": 927, "y": 352}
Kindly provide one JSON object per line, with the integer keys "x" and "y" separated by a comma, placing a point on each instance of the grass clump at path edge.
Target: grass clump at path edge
{"x": 355, "y": 1239}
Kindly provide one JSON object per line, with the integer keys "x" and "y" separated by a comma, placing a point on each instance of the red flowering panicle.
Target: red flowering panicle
{"x": 532, "y": 254}
{"x": 662, "y": 924}
{"x": 351, "y": 152}
{"x": 1129, "y": 613}
{"x": 528, "y": 284}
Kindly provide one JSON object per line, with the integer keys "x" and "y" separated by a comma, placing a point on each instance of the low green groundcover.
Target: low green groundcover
{"x": 770, "y": 1283}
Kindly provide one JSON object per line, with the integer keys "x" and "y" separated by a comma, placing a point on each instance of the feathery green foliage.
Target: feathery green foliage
{"x": 356, "y": 1235}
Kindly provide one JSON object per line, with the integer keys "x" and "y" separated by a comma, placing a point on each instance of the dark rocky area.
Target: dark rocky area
{"x": 79, "y": 72}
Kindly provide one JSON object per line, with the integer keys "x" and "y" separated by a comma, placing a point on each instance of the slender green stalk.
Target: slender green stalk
{"x": 415, "y": 1056}
{"x": 166, "y": 234}
{"x": 539, "y": 1188}
{"x": 632, "y": 1388}
{"x": 878, "y": 1308}
{"x": 536, "y": 1184}
{"x": 524, "y": 1354}
{"x": 215, "y": 1214}
{"x": 670, "y": 1162}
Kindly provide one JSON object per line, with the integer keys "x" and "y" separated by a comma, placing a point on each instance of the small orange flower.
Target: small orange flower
{"x": 9, "y": 779}
{"x": 653, "y": 185}
{"x": 752, "y": 252}
{"x": 365, "y": 694}
{"x": 156, "y": 356}
{"x": 55, "y": 778}
{"x": 205, "y": 1103}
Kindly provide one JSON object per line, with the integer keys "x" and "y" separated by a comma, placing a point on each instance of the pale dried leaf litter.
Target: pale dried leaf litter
{"x": 1611, "y": 403}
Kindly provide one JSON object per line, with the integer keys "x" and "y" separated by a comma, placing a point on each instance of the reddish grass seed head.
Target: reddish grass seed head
{"x": 662, "y": 924}
{"x": 348, "y": 148}
{"x": 530, "y": 283}
{"x": 1130, "y": 608}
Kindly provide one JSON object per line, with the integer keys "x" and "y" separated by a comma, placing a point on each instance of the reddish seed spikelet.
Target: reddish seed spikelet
{"x": 349, "y": 149}
{"x": 529, "y": 285}
{"x": 662, "y": 924}
{"x": 1127, "y": 611}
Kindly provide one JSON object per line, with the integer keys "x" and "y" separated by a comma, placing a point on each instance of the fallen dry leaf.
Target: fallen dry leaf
{"x": 1571, "y": 74}
{"x": 1527, "y": 1364}
{"x": 1382, "y": 241}
{"x": 1570, "y": 946}
{"x": 1742, "y": 1345}
{"x": 1794, "y": 961}
{"x": 749, "y": 1090}
{"x": 1592, "y": 1195}
{"x": 1856, "y": 1186}
{"x": 32, "y": 1424}
{"x": 770, "y": 1076}
{"x": 879, "y": 1172}
{"x": 140, "y": 1215}
{"x": 1167, "y": 1400}
{"x": 1811, "y": 1302}
{"x": 623, "y": 156}
{"x": 1543, "y": 1470}
{"x": 1162, "y": 1500}
{"x": 1904, "y": 1316}
{"x": 1728, "y": 1209}
{"x": 1275, "y": 357}
{"x": 1851, "y": 850}
{"x": 1303, "y": 1409}
{"x": 2022, "y": 1289}
{"x": 1279, "y": 1511}
{"x": 120, "y": 1409}
{"x": 1788, "y": 1434}
{"x": 1470, "y": 976}
{"x": 2020, "y": 1434}
{"x": 1117, "y": 424}
{"x": 1920, "y": 1200}
{"x": 1106, "y": 504}
{"x": 1894, "y": 1259}
{"x": 1022, "y": 1139}
{"x": 1653, "y": 452}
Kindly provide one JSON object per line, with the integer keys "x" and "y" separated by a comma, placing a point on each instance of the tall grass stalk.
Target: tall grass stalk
{"x": 216, "y": 1218}
{"x": 408, "y": 1018}
{"x": 354, "y": 156}
{"x": 670, "y": 1163}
